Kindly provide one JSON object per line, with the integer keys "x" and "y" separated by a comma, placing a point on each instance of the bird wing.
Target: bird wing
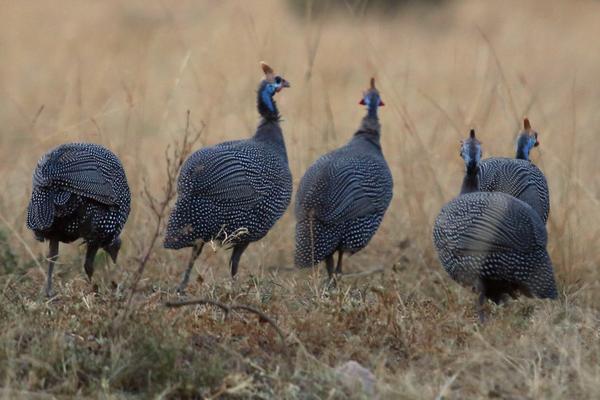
{"x": 351, "y": 188}
{"x": 227, "y": 174}
{"x": 40, "y": 211}
{"x": 75, "y": 170}
{"x": 506, "y": 225}
{"x": 519, "y": 178}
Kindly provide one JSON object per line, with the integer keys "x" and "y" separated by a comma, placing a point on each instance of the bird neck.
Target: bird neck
{"x": 372, "y": 109}
{"x": 471, "y": 180}
{"x": 521, "y": 154}
{"x": 523, "y": 147}
{"x": 369, "y": 130}
{"x": 267, "y": 107}
{"x": 269, "y": 132}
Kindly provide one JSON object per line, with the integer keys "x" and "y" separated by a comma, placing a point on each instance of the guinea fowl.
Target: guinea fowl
{"x": 343, "y": 196}
{"x": 79, "y": 191}
{"x": 491, "y": 241}
{"x": 235, "y": 190}
{"x": 518, "y": 176}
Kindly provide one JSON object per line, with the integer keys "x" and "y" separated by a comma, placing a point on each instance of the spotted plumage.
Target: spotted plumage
{"x": 493, "y": 242}
{"x": 238, "y": 188}
{"x": 495, "y": 239}
{"x": 518, "y": 176}
{"x": 80, "y": 191}
{"x": 343, "y": 196}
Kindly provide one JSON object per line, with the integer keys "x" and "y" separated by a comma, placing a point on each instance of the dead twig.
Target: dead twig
{"x": 362, "y": 274}
{"x": 227, "y": 308}
{"x": 224, "y": 239}
{"x": 37, "y": 115}
{"x": 174, "y": 157}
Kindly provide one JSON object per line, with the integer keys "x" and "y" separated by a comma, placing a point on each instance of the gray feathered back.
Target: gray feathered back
{"x": 518, "y": 178}
{"x": 494, "y": 236}
{"x": 492, "y": 241}
{"x": 238, "y": 185}
{"x": 77, "y": 175}
{"x": 343, "y": 196}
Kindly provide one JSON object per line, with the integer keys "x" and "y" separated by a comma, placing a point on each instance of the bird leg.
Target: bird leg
{"x": 238, "y": 249}
{"x": 480, "y": 311}
{"x": 338, "y": 269}
{"x": 196, "y": 250}
{"x": 479, "y": 287}
{"x": 52, "y": 257}
{"x": 113, "y": 249}
{"x": 90, "y": 256}
{"x": 329, "y": 265}
{"x": 331, "y": 281}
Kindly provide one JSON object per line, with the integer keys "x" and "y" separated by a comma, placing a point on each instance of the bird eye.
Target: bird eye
{"x": 278, "y": 80}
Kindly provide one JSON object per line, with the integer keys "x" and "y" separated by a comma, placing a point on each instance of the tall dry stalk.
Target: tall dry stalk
{"x": 158, "y": 206}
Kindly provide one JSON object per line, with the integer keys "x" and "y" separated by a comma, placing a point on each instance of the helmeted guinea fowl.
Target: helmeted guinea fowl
{"x": 491, "y": 241}
{"x": 518, "y": 176}
{"x": 79, "y": 191}
{"x": 238, "y": 185}
{"x": 343, "y": 196}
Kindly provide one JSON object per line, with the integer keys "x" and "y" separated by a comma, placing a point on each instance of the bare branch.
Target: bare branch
{"x": 175, "y": 156}
{"x": 227, "y": 308}
{"x": 37, "y": 115}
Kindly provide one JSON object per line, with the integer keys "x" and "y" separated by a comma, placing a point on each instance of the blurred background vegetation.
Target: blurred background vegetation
{"x": 124, "y": 74}
{"x": 383, "y": 8}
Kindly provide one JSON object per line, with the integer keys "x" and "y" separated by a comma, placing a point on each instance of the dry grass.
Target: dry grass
{"x": 124, "y": 74}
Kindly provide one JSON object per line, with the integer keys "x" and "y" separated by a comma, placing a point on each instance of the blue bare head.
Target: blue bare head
{"x": 527, "y": 140}
{"x": 372, "y": 100}
{"x": 268, "y": 87}
{"x": 470, "y": 151}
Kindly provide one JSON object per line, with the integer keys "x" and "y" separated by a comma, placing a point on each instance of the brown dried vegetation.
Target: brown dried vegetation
{"x": 124, "y": 74}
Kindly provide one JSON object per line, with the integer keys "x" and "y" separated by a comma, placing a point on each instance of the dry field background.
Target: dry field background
{"x": 123, "y": 74}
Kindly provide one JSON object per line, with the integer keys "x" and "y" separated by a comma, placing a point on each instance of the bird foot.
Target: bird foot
{"x": 331, "y": 282}
{"x": 180, "y": 290}
{"x": 482, "y": 317}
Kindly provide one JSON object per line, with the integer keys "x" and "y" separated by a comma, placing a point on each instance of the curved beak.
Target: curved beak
{"x": 284, "y": 84}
